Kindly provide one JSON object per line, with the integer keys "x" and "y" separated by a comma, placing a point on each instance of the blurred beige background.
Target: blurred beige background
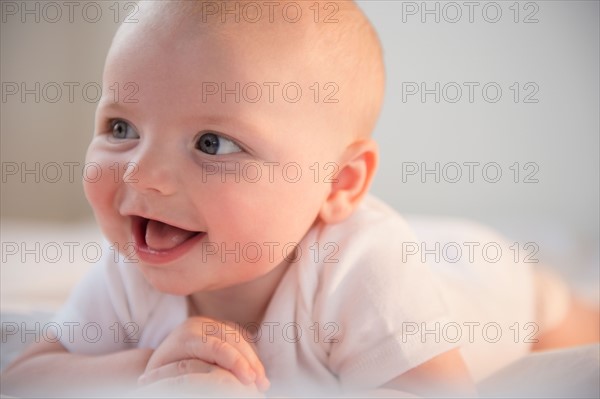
{"x": 44, "y": 132}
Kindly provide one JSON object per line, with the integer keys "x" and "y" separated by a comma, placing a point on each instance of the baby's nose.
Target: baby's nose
{"x": 151, "y": 171}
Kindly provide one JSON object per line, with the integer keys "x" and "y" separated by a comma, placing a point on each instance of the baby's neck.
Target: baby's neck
{"x": 243, "y": 304}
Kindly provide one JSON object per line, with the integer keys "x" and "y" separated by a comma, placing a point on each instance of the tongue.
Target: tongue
{"x": 161, "y": 236}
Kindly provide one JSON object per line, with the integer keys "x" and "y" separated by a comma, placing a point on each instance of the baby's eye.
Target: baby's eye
{"x": 122, "y": 130}
{"x": 213, "y": 144}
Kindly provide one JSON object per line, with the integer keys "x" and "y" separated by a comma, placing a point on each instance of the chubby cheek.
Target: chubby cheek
{"x": 101, "y": 186}
{"x": 276, "y": 212}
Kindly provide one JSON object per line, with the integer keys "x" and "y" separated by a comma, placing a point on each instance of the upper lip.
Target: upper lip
{"x": 159, "y": 219}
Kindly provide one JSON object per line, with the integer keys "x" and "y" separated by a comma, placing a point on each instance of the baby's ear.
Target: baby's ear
{"x": 351, "y": 182}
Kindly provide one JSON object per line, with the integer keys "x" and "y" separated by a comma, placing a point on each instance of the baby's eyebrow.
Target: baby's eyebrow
{"x": 107, "y": 104}
{"x": 238, "y": 124}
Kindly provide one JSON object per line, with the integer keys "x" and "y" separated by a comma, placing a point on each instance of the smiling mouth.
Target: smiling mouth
{"x": 162, "y": 240}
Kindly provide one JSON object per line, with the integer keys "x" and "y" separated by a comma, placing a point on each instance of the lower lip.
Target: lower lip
{"x": 161, "y": 257}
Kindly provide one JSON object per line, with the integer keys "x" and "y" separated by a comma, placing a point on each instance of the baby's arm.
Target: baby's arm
{"x": 47, "y": 368}
{"x": 580, "y": 326}
{"x": 564, "y": 319}
{"x": 189, "y": 355}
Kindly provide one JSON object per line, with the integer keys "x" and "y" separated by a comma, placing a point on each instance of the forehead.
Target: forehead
{"x": 184, "y": 54}
{"x": 219, "y": 75}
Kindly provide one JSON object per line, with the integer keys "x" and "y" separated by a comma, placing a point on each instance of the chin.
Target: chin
{"x": 173, "y": 285}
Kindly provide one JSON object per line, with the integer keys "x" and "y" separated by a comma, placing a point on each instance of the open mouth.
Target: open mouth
{"x": 158, "y": 242}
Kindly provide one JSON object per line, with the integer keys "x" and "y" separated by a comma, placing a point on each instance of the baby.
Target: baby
{"x": 251, "y": 259}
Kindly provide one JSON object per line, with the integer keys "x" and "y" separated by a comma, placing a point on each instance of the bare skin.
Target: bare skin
{"x": 581, "y": 326}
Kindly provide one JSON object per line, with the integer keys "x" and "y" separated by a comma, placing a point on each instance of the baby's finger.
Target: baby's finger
{"x": 215, "y": 350}
{"x": 185, "y": 366}
{"x": 247, "y": 350}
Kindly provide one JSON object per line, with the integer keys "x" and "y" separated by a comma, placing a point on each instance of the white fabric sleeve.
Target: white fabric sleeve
{"x": 114, "y": 308}
{"x": 97, "y": 318}
{"x": 387, "y": 306}
{"x": 489, "y": 292}
{"x": 89, "y": 323}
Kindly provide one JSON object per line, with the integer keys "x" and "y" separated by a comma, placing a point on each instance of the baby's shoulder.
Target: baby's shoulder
{"x": 368, "y": 247}
{"x": 363, "y": 274}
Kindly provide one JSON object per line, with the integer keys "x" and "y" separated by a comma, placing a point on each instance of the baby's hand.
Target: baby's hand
{"x": 194, "y": 377}
{"x": 213, "y": 342}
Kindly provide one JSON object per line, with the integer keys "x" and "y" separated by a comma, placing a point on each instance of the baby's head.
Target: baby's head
{"x": 222, "y": 143}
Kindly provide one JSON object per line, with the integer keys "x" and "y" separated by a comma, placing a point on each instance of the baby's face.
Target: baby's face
{"x": 203, "y": 191}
